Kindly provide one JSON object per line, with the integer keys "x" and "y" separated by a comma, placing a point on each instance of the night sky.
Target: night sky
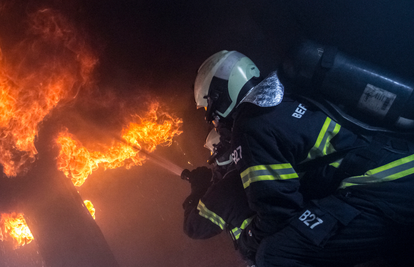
{"x": 154, "y": 48}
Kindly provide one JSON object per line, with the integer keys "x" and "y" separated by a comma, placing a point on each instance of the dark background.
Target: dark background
{"x": 155, "y": 47}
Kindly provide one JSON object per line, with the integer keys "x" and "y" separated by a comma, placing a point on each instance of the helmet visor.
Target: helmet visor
{"x": 204, "y": 77}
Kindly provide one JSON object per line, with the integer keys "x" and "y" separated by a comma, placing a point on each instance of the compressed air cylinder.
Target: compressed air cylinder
{"x": 362, "y": 90}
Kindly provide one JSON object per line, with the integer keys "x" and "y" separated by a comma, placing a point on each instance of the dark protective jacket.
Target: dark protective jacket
{"x": 223, "y": 207}
{"x": 271, "y": 144}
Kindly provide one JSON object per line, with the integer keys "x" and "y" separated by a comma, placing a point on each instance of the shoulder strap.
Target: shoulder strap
{"x": 325, "y": 160}
{"x": 359, "y": 158}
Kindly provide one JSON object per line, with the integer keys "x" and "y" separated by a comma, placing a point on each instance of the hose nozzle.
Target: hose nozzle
{"x": 185, "y": 175}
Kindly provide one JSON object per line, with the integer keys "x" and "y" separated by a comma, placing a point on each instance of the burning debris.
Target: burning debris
{"x": 90, "y": 207}
{"x": 14, "y": 226}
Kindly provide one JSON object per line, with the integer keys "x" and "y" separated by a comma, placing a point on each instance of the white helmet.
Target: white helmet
{"x": 220, "y": 149}
{"x": 222, "y": 82}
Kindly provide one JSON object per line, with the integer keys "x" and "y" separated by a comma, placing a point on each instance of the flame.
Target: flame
{"x": 47, "y": 67}
{"x": 14, "y": 225}
{"x": 141, "y": 136}
{"x": 90, "y": 207}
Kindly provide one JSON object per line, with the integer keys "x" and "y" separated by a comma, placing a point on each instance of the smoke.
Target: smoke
{"x": 139, "y": 60}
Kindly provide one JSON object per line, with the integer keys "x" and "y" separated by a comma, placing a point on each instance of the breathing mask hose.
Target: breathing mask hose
{"x": 212, "y": 158}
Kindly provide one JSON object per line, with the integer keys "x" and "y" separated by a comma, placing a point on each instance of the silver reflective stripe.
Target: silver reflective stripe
{"x": 237, "y": 230}
{"x": 322, "y": 145}
{"x": 336, "y": 164}
{"x": 388, "y": 172}
{"x": 208, "y": 214}
{"x": 258, "y": 173}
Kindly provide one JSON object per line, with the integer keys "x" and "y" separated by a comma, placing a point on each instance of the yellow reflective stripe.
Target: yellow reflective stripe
{"x": 208, "y": 214}
{"x": 394, "y": 170}
{"x": 322, "y": 145}
{"x": 345, "y": 184}
{"x": 336, "y": 164}
{"x": 237, "y": 230}
{"x": 258, "y": 173}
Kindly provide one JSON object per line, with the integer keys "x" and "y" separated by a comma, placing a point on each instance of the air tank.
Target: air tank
{"x": 360, "y": 89}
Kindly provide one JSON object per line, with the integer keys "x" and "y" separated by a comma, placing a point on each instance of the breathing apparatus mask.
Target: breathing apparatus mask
{"x": 220, "y": 149}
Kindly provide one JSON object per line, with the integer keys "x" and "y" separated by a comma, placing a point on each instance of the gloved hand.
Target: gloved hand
{"x": 199, "y": 178}
{"x": 247, "y": 246}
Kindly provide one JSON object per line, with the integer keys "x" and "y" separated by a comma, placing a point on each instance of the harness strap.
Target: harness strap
{"x": 325, "y": 160}
{"x": 362, "y": 159}
{"x": 324, "y": 65}
{"x": 359, "y": 158}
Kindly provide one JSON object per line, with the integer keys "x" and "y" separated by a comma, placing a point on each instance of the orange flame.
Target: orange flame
{"x": 13, "y": 225}
{"x": 35, "y": 76}
{"x": 142, "y": 136}
{"x": 90, "y": 207}
{"x": 38, "y": 74}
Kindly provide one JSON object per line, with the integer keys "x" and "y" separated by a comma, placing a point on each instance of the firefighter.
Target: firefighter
{"x": 217, "y": 201}
{"x": 323, "y": 195}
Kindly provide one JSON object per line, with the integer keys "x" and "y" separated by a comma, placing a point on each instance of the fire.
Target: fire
{"x": 155, "y": 128}
{"x": 13, "y": 225}
{"x": 90, "y": 207}
{"x": 35, "y": 75}
{"x": 46, "y": 70}
{"x": 141, "y": 136}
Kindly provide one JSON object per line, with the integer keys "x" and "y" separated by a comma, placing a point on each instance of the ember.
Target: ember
{"x": 90, "y": 207}
{"x": 14, "y": 226}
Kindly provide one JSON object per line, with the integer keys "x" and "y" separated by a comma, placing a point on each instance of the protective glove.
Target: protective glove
{"x": 199, "y": 178}
{"x": 247, "y": 246}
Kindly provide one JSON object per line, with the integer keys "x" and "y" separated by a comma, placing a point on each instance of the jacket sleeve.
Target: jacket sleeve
{"x": 196, "y": 226}
{"x": 223, "y": 207}
{"x": 270, "y": 182}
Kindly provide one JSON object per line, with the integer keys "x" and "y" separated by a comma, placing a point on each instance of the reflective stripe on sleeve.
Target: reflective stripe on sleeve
{"x": 267, "y": 172}
{"x": 208, "y": 214}
{"x": 322, "y": 145}
{"x": 388, "y": 172}
{"x": 237, "y": 230}
{"x": 336, "y": 164}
